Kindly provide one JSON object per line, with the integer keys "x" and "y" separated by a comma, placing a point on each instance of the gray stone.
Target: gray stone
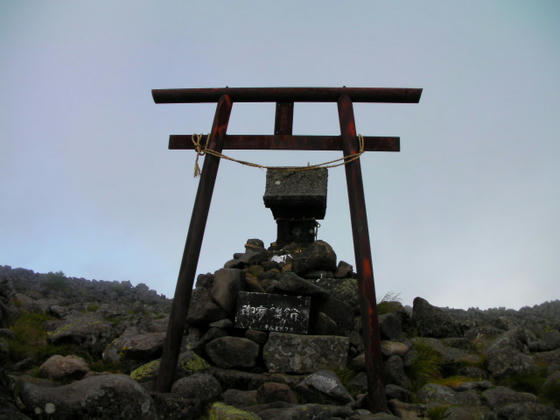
{"x": 285, "y": 411}
{"x": 59, "y": 367}
{"x": 202, "y": 309}
{"x": 221, "y": 411}
{"x": 343, "y": 270}
{"x": 407, "y": 410}
{"x": 391, "y": 348}
{"x": 94, "y": 397}
{"x": 319, "y": 255}
{"x": 171, "y": 406}
{"x": 254, "y": 245}
{"x": 8, "y": 407}
{"x": 340, "y": 312}
{"x": 89, "y": 331}
{"x": 394, "y": 372}
{"x": 200, "y": 386}
{"x": 238, "y": 379}
{"x": 394, "y": 391}
{"x": 358, "y": 384}
{"x": 347, "y": 290}
{"x": 324, "y": 325}
{"x": 449, "y": 354}
{"x": 140, "y": 347}
{"x": 390, "y": 325}
{"x": 274, "y": 391}
{"x": 228, "y": 352}
{"x": 222, "y": 323}
{"x": 240, "y": 398}
{"x": 291, "y": 284}
{"x": 324, "y": 386}
{"x": 204, "y": 281}
{"x": 258, "y": 337}
{"x": 471, "y": 386}
{"x": 227, "y": 283}
{"x": 528, "y": 411}
{"x": 504, "y": 359}
{"x": 468, "y": 413}
{"x": 501, "y": 395}
{"x": 432, "y": 321}
{"x": 302, "y": 354}
{"x": 435, "y": 393}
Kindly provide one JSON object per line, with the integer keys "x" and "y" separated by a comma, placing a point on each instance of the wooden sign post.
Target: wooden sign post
{"x": 283, "y": 140}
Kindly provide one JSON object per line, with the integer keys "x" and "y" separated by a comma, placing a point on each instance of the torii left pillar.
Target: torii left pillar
{"x": 283, "y": 139}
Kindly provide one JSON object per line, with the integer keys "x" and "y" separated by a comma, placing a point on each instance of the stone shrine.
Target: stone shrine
{"x": 297, "y": 199}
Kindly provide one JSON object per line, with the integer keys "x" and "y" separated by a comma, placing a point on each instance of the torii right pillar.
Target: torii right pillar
{"x": 362, "y": 254}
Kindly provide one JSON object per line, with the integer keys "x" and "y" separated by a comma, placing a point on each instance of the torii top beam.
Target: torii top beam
{"x": 287, "y": 94}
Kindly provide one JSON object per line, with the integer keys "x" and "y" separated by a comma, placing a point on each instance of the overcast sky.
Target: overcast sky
{"x": 467, "y": 214}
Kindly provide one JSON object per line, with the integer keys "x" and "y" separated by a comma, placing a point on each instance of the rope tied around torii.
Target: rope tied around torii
{"x": 203, "y": 150}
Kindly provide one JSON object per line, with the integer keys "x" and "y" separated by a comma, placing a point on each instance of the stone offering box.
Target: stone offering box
{"x": 297, "y": 198}
{"x": 296, "y": 194}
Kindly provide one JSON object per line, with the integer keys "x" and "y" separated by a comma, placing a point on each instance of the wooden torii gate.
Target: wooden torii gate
{"x": 283, "y": 139}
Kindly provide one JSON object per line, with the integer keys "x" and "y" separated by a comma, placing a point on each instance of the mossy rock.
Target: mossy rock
{"x": 146, "y": 372}
{"x": 190, "y": 362}
{"x": 221, "y": 411}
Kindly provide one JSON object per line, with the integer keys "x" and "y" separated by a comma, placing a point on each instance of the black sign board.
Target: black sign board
{"x": 271, "y": 312}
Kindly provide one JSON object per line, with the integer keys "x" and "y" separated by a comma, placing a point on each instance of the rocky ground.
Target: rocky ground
{"x": 74, "y": 348}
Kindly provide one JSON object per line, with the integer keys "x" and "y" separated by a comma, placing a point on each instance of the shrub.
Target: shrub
{"x": 426, "y": 366}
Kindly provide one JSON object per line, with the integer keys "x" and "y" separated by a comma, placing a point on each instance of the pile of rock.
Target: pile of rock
{"x": 98, "y": 359}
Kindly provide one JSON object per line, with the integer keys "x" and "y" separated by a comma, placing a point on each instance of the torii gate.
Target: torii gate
{"x": 283, "y": 139}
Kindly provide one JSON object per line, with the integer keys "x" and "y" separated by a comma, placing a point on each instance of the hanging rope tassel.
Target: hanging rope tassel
{"x": 204, "y": 150}
{"x": 200, "y": 151}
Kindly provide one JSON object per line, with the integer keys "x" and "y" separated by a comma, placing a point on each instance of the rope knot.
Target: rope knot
{"x": 199, "y": 149}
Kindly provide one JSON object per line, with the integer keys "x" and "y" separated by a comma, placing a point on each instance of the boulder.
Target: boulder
{"x": 432, "y": 321}
{"x": 528, "y": 411}
{"x": 318, "y": 255}
{"x": 291, "y": 284}
{"x": 221, "y": 411}
{"x": 323, "y": 387}
{"x": 228, "y": 352}
{"x": 94, "y": 397}
{"x": 199, "y": 386}
{"x": 394, "y": 391}
{"x": 501, "y": 396}
{"x": 390, "y": 325}
{"x": 507, "y": 355}
{"x": 202, "y": 309}
{"x": 274, "y": 391}
{"x": 394, "y": 372}
{"x": 304, "y": 353}
{"x": 285, "y": 411}
{"x": 171, "y": 406}
{"x": 240, "y": 398}
{"x": 407, "y": 410}
{"x": 88, "y": 330}
{"x": 8, "y": 406}
{"x": 238, "y": 379}
{"x": 343, "y": 270}
{"x": 340, "y": 312}
{"x": 438, "y": 394}
{"x": 59, "y": 367}
{"x": 391, "y": 348}
{"x": 227, "y": 283}
{"x": 139, "y": 347}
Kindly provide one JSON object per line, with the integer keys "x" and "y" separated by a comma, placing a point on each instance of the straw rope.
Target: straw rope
{"x": 202, "y": 150}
